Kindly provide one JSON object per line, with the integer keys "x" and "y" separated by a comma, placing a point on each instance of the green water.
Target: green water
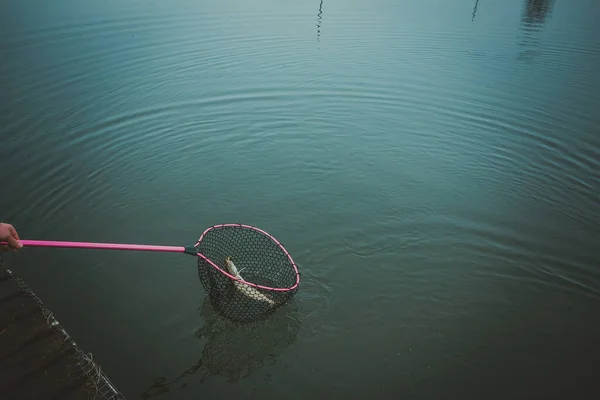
{"x": 432, "y": 166}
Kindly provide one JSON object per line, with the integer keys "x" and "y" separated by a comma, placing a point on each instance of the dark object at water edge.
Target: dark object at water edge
{"x": 38, "y": 358}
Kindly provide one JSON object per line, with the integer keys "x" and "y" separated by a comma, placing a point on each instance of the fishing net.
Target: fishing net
{"x": 42, "y": 360}
{"x": 266, "y": 274}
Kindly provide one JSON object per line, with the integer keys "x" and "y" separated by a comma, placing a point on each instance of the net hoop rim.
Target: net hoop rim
{"x": 262, "y": 232}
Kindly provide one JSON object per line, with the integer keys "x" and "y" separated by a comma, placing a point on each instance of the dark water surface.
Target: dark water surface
{"x": 433, "y": 166}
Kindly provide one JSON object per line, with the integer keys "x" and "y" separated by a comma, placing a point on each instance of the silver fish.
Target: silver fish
{"x": 247, "y": 290}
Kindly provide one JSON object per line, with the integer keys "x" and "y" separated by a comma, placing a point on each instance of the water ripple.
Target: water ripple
{"x": 423, "y": 164}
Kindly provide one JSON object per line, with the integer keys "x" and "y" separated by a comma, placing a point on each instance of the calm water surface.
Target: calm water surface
{"x": 433, "y": 166}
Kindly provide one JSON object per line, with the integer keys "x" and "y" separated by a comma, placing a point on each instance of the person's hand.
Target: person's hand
{"x": 10, "y": 235}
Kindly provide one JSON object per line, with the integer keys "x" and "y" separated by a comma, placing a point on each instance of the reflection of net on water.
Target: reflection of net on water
{"x": 235, "y": 350}
{"x": 83, "y": 372}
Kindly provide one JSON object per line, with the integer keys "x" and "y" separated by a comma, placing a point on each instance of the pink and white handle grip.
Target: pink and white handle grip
{"x": 108, "y": 246}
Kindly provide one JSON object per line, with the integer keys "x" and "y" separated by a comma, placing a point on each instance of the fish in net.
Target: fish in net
{"x": 246, "y": 272}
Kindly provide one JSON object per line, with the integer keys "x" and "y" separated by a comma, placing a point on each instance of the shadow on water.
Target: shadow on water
{"x": 233, "y": 350}
{"x": 474, "y": 10}
{"x": 535, "y": 14}
{"x": 319, "y": 20}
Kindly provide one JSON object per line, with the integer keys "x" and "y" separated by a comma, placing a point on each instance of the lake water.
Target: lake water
{"x": 432, "y": 166}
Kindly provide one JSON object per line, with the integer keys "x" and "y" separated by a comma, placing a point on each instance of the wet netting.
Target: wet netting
{"x": 246, "y": 272}
{"x": 44, "y": 361}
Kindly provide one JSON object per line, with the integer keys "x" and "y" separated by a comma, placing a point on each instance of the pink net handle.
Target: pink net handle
{"x": 100, "y": 246}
